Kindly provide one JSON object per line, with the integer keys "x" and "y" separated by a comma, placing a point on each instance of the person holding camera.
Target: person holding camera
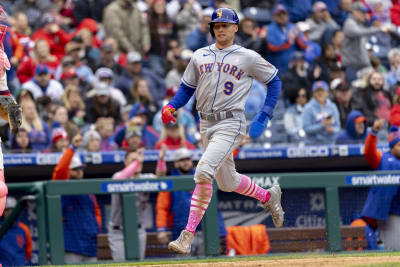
{"x": 320, "y": 116}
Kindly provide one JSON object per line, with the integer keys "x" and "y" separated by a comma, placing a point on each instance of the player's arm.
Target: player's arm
{"x": 371, "y": 154}
{"x": 180, "y": 99}
{"x": 264, "y": 69}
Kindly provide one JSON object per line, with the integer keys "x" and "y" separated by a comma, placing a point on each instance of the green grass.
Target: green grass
{"x": 255, "y": 258}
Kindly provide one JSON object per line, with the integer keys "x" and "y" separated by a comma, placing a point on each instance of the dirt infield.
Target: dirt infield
{"x": 305, "y": 262}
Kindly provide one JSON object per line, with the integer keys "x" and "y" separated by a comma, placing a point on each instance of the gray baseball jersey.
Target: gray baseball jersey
{"x": 223, "y": 77}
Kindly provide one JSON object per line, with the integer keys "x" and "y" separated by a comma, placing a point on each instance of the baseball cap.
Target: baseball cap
{"x": 319, "y": 6}
{"x": 360, "y": 7}
{"x": 186, "y": 54}
{"x": 104, "y": 73}
{"x": 320, "y": 84}
{"x": 133, "y": 131}
{"x": 339, "y": 85}
{"x": 69, "y": 73}
{"x": 76, "y": 162}
{"x": 102, "y": 88}
{"x": 394, "y": 136}
{"x": 303, "y": 26}
{"x": 279, "y": 8}
{"x": 11, "y": 202}
{"x": 57, "y": 134}
{"x": 133, "y": 57}
{"x": 41, "y": 69}
{"x": 360, "y": 119}
{"x": 136, "y": 110}
{"x": 89, "y": 135}
{"x": 182, "y": 153}
{"x": 171, "y": 91}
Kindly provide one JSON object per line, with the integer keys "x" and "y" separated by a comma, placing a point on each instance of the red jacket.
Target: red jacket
{"x": 26, "y": 69}
{"x": 174, "y": 144}
{"x": 56, "y": 41}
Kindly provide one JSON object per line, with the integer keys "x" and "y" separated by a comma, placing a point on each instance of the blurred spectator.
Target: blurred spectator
{"x": 252, "y": 37}
{"x": 380, "y": 10}
{"x": 69, "y": 77}
{"x": 313, "y": 50}
{"x": 59, "y": 119}
{"x": 65, "y": 15}
{"x": 134, "y": 70}
{"x": 138, "y": 122}
{"x": 298, "y": 10}
{"x": 375, "y": 102}
{"x": 42, "y": 84}
{"x": 187, "y": 18}
{"x": 161, "y": 30}
{"x": 255, "y": 100}
{"x": 20, "y": 142}
{"x": 321, "y": 66}
{"x": 183, "y": 116}
{"x": 23, "y": 32}
{"x": 174, "y": 76}
{"x": 105, "y": 127}
{"x": 39, "y": 132}
{"x": 337, "y": 42}
{"x": 133, "y": 170}
{"x": 355, "y": 32}
{"x": 108, "y": 57}
{"x": 125, "y": 110}
{"x": 53, "y": 35}
{"x": 174, "y": 51}
{"x": 174, "y": 6}
{"x": 34, "y": 10}
{"x": 292, "y": 119}
{"x": 81, "y": 213}
{"x": 140, "y": 94}
{"x": 75, "y": 51}
{"x": 173, "y": 207}
{"x": 174, "y": 137}
{"x": 201, "y": 36}
{"x": 320, "y": 117}
{"x": 123, "y": 21}
{"x": 90, "y": 54}
{"x": 394, "y": 62}
{"x": 343, "y": 98}
{"x": 74, "y": 105}
{"x": 106, "y": 75}
{"x": 16, "y": 244}
{"x": 59, "y": 140}
{"x": 297, "y": 74}
{"x": 91, "y": 141}
{"x": 41, "y": 55}
{"x": 320, "y": 21}
{"x": 283, "y": 39}
{"x": 395, "y": 13}
{"x": 102, "y": 104}
{"x": 341, "y": 12}
{"x": 89, "y": 9}
{"x": 355, "y": 131}
{"x": 337, "y": 71}
{"x": 133, "y": 138}
{"x": 381, "y": 208}
{"x": 395, "y": 110}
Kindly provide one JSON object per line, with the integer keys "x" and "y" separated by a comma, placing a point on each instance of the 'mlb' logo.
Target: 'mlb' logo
{"x": 219, "y": 14}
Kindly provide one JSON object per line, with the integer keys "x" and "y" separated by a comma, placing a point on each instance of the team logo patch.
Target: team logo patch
{"x": 219, "y": 14}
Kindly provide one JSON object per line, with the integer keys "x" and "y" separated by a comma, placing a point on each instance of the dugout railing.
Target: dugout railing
{"x": 48, "y": 200}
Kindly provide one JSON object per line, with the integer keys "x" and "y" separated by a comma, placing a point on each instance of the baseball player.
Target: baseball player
{"x": 220, "y": 76}
{"x": 9, "y": 109}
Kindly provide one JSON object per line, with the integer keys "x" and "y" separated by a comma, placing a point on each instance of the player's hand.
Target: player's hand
{"x": 258, "y": 124}
{"x": 162, "y": 237}
{"x": 166, "y": 114}
{"x": 377, "y": 126}
{"x": 77, "y": 141}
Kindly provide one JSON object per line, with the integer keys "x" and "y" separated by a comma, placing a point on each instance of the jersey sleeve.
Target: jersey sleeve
{"x": 262, "y": 70}
{"x": 191, "y": 75}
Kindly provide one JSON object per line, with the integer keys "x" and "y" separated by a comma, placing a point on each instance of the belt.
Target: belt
{"x": 119, "y": 227}
{"x": 216, "y": 116}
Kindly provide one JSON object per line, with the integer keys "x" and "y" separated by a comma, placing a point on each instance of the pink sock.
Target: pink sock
{"x": 248, "y": 188}
{"x": 198, "y": 205}
{"x": 3, "y": 193}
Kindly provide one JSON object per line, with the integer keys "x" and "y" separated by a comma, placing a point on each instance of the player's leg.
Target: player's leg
{"x": 229, "y": 180}
{"x": 3, "y": 186}
{"x": 217, "y": 149}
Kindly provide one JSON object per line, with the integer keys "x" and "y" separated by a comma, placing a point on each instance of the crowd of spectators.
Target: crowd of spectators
{"x": 105, "y": 68}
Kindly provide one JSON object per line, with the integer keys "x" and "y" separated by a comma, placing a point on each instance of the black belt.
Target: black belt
{"x": 118, "y": 227}
{"x": 216, "y": 116}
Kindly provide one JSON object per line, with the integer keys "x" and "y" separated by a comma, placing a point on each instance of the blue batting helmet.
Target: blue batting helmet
{"x": 227, "y": 15}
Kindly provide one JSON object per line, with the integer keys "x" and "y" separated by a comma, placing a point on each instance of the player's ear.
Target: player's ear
{"x": 237, "y": 28}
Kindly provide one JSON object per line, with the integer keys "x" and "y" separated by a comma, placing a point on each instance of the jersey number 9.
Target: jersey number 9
{"x": 228, "y": 88}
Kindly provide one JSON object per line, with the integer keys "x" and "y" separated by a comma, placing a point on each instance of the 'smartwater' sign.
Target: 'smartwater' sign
{"x": 383, "y": 179}
{"x": 139, "y": 186}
